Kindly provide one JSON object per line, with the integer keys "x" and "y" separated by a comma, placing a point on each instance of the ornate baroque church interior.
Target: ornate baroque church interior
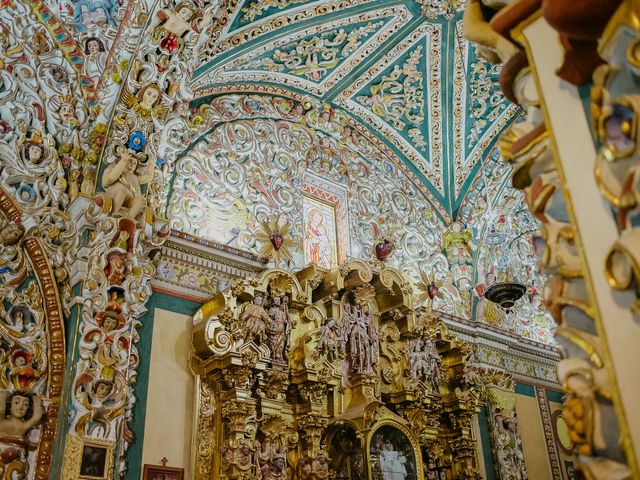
{"x": 332, "y": 239}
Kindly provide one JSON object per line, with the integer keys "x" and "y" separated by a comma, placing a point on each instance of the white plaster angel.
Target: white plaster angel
{"x": 95, "y": 59}
{"x": 122, "y": 184}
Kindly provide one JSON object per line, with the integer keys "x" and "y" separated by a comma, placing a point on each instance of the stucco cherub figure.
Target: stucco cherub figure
{"x": 123, "y": 185}
{"x": 490, "y": 44}
{"x": 20, "y": 411}
{"x": 174, "y": 24}
{"x": 146, "y": 103}
{"x": 11, "y": 234}
{"x": 99, "y": 397}
{"x": 278, "y": 328}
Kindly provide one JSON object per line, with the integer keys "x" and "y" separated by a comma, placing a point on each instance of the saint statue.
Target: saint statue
{"x": 360, "y": 339}
{"x": 457, "y": 245}
{"x": 392, "y": 463}
{"x": 317, "y": 242}
{"x": 329, "y": 340}
{"x": 424, "y": 362}
{"x": 256, "y": 318}
{"x": 278, "y": 327}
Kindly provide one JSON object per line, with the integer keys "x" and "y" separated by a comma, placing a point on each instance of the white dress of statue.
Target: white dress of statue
{"x": 392, "y": 463}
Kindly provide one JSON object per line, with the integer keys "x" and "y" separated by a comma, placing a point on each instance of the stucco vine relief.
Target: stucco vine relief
{"x": 246, "y": 169}
{"x": 259, "y": 157}
{"x": 95, "y": 96}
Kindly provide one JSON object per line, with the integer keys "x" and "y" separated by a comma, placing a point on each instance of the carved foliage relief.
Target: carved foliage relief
{"x": 296, "y": 379}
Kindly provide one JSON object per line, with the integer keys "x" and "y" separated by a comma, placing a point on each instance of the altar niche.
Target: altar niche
{"x": 393, "y": 454}
{"x": 325, "y": 374}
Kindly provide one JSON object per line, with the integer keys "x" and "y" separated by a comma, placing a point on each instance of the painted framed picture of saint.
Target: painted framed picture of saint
{"x": 158, "y": 472}
{"x": 320, "y": 234}
{"x": 393, "y": 454}
{"x": 94, "y": 460}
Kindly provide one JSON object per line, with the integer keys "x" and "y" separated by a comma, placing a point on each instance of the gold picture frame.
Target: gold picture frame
{"x": 392, "y": 451}
{"x": 88, "y": 459}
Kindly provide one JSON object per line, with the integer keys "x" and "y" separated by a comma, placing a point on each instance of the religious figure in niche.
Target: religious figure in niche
{"x": 392, "y": 463}
{"x": 424, "y": 362}
{"x": 278, "y": 328}
{"x": 317, "y": 244}
{"x": 392, "y": 455}
{"x": 457, "y": 245}
{"x": 270, "y": 460}
{"x": 256, "y": 319}
{"x": 329, "y": 340}
{"x": 346, "y": 455}
{"x": 20, "y": 411}
{"x": 360, "y": 339}
{"x": 123, "y": 185}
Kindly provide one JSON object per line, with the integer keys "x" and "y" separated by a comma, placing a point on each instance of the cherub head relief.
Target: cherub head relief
{"x": 185, "y": 11}
{"x": 149, "y": 96}
{"x": 11, "y": 234}
{"x": 93, "y": 45}
{"x": 67, "y": 110}
{"x": 102, "y": 389}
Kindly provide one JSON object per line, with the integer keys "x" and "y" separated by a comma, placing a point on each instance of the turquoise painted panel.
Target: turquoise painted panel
{"x": 525, "y": 389}
{"x": 485, "y": 440}
{"x": 254, "y": 10}
{"x": 398, "y": 96}
{"x": 555, "y": 396}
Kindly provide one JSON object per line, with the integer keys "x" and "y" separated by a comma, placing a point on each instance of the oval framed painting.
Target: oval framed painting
{"x": 393, "y": 453}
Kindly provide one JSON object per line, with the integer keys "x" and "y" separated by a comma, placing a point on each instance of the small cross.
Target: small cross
{"x": 164, "y": 461}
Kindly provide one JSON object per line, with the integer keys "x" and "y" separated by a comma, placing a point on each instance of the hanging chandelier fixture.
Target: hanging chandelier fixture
{"x": 505, "y": 294}
{"x": 507, "y": 289}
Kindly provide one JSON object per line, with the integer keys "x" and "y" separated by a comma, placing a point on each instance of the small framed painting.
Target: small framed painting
{"x": 160, "y": 472}
{"x": 94, "y": 461}
{"x": 88, "y": 459}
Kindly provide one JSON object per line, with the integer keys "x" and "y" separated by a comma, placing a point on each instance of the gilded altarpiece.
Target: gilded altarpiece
{"x": 329, "y": 374}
